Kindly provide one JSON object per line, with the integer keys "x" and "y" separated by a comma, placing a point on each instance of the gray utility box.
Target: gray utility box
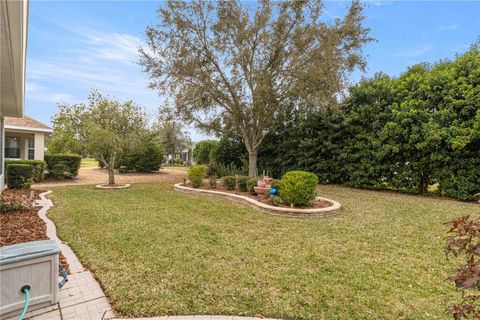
{"x": 32, "y": 263}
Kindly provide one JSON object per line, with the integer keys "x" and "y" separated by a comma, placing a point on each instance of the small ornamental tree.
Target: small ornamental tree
{"x": 105, "y": 128}
{"x": 111, "y": 128}
{"x": 464, "y": 240}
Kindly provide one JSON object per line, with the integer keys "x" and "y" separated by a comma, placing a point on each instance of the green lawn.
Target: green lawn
{"x": 175, "y": 168}
{"x": 88, "y": 163}
{"x": 157, "y": 251}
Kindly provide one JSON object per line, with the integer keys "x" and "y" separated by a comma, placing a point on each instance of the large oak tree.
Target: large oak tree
{"x": 239, "y": 67}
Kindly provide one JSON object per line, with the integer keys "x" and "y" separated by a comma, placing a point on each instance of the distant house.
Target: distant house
{"x": 25, "y": 138}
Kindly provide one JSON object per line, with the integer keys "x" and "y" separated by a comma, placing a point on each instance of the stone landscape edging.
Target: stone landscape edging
{"x": 115, "y": 186}
{"x": 312, "y": 213}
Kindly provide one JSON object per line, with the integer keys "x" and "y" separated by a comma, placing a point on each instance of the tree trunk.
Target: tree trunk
{"x": 189, "y": 157}
{"x": 252, "y": 163}
{"x": 111, "y": 173}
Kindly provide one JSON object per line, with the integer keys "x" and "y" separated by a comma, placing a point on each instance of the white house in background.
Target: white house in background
{"x": 13, "y": 53}
{"x": 25, "y": 138}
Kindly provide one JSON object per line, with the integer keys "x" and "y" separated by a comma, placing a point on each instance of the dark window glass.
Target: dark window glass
{"x": 12, "y": 147}
{"x": 31, "y": 149}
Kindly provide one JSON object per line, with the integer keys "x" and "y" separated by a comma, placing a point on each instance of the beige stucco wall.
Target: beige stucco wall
{"x": 39, "y": 145}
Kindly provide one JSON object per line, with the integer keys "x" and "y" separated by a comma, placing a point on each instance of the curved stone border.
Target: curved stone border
{"x": 278, "y": 211}
{"x": 115, "y": 186}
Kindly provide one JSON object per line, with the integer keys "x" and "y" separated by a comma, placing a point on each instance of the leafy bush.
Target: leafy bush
{"x": 19, "y": 176}
{"x": 231, "y": 151}
{"x": 229, "y": 182}
{"x": 274, "y": 201}
{"x": 212, "y": 182}
{"x": 178, "y": 161}
{"x": 221, "y": 170}
{"x": 203, "y": 150}
{"x": 275, "y": 183}
{"x": 463, "y": 240}
{"x": 298, "y": 187}
{"x": 242, "y": 183}
{"x": 71, "y": 161}
{"x": 38, "y": 167}
{"x": 58, "y": 171}
{"x": 146, "y": 159}
{"x": 196, "y": 174}
{"x": 251, "y": 184}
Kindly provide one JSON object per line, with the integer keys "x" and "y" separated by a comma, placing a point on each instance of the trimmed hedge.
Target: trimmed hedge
{"x": 38, "y": 167}
{"x": 229, "y": 182}
{"x": 58, "y": 171}
{"x": 19, "y": 176}
{"x": 298, "y": 187}
{"x": 71, "y": 161}
{"x": 242, "y": 183}
{"x": 145, "y": 160}
{"x": 196, "y": 174}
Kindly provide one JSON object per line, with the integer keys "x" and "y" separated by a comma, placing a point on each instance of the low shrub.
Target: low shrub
{"x": 19, "y": 176}
{"x": 196, "y": 174}
{"x": 71, "y": 161}
{"x": 229, "y": 182}
{"x": 242, "y": 183}
{"x": 251, "y": 184}
{"x": 274, "y": 201}
{"x": 38, "y": 167}
{"x": 58, "y": 171}
{"x": 212, "y": 182}
{"x": 178, "y": 161}
{"x": 298, "y": 187}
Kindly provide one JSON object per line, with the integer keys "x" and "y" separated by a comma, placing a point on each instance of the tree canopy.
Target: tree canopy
{"x": 238, "y": 67}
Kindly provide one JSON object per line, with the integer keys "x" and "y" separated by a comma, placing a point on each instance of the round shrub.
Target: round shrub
{"x": 196, "y": 174}
{"x": 242, "y": 183}
{"x": 298, "y": 187}
{"x": 229, "y": 182}
{"x": 251, "y": 184}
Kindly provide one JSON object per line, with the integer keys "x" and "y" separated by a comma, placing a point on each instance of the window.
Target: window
{"x": 12, "y": 147}
{"x": 31, "y": 148}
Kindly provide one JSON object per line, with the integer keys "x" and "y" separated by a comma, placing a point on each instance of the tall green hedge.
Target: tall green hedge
{"x": 417, "y": 132}
{"x": 37, "y": 165}
{"x": 71, "y": 161}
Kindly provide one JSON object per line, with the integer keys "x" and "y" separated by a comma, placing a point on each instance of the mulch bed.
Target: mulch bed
{"x": 315, "y": 204}
{"x": 21, "y": 223}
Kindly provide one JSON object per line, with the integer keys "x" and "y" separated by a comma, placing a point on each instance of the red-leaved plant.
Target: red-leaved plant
{"x": 463, "y": 240}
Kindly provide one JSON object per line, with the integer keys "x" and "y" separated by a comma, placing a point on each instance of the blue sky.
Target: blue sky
{"x": 77, "y": 46}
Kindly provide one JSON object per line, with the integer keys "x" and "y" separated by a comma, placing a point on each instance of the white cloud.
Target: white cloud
{"x": 451, "y": 27}
{"x": 35, "y": 91}
{"x": 412, "y": 53}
